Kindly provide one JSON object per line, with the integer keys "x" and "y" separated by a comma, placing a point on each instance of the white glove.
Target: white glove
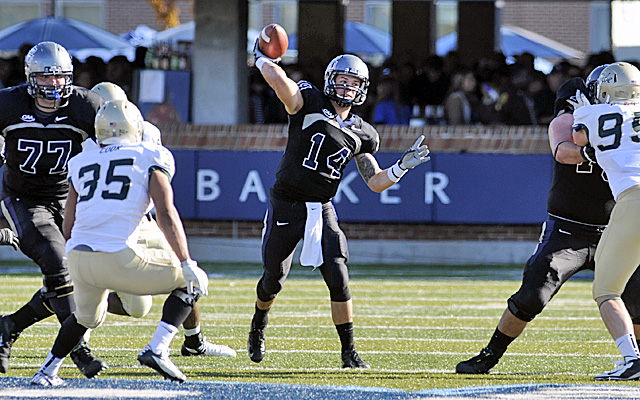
{"x": 414, "y": 156}
{"x": 8, "y": 238}
{"x": 580, "y": 101}
{"x": 258, "y": 54}
{"x": 194, "y": 274}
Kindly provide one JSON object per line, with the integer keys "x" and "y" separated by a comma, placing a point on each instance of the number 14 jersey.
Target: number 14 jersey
{"x": 319, "y": 147}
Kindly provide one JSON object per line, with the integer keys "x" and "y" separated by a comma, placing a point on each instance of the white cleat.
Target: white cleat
{"x": 41, "y": 379}
{"x": 206, "y": 348}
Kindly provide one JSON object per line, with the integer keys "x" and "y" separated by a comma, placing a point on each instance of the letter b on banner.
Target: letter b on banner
{"x": 207, "y": 185}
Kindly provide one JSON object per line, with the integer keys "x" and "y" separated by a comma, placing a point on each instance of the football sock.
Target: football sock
{"x": 24, "y": 318}
{"x": 345, "y": 332}
{"x": 628, "y": 347}
{"x": 192, "y": 337}
{"x": 260, "y": 318}
{"x": 499, "y": 342}
{"x": 162, "y": 338}
{"x": 51, "y": 365}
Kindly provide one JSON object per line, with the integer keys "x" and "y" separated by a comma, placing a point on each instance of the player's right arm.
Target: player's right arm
{"x": 286, "y": 89}
{"x": 563, "y": 148}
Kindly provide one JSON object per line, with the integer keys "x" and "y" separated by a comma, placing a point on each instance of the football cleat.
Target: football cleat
{"x": 42, "y": 379}
{"x": 7, "y": 337}
{"x": 256, "y": 345}
{"x": 624, "y": 371}
{"x": 351, "y": 359}
{"x": 206, "y": 348}
{"x": 480, "y": 364}
{"x": 87, "y": 363}
{"x": 162, "y": 364}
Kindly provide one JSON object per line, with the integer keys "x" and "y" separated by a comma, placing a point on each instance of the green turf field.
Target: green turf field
{"x": 412, "y": 325}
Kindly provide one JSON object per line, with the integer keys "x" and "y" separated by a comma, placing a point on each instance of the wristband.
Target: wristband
{"x": 395, "y": 172}
{"x": 260, "y": 62}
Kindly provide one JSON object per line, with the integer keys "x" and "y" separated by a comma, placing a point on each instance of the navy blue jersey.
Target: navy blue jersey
{"x": 318, "y": 149}
{"x": 38, "y": 146}
{"x": 579, "y": 192}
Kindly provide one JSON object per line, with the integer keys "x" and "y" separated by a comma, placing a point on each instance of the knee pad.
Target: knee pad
{"x": 520, "y": 314}
{"x": 340, "y": 294}
{"x": 185, "y": 297}
{"x": 267, "y": 290}
{"x": 134, "y": 305}
{"x": 56, "y": 286}
{"x": 40, "y": 306}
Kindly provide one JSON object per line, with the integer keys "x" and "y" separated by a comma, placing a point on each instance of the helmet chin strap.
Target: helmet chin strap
{"x": 46, "y": 105}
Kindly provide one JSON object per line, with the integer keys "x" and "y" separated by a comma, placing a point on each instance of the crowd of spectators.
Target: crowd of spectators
{"x": 443, "y": 90}
{"x": 436, "y": 90}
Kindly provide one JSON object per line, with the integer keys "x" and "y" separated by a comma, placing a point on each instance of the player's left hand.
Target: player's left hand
{"x": 415, "y": 155}
{"x": 580, "y": 100}
{"x": 8, "y": 238}
{"x": 195, "y": 275}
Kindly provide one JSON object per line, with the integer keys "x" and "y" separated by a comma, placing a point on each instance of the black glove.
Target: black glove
{"x": 588, "y": 153}
{"x": 8, "y": 238}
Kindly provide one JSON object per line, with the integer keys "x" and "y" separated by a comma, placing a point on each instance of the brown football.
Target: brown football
{"x": 273, "y": 41}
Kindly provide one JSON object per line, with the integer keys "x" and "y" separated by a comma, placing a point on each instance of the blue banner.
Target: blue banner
{"x": 451, "y": 188}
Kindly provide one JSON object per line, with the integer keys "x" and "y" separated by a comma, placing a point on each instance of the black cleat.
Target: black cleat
{"x": 87, "y": 363}
{"x": 256, "y": 345}
{"x": 624, "y": 371}
{"x": 480, "y": 364}
{"x": 7, "y": 337}
{"x": 162, "y": 364}
{"x": 351, "y": 359}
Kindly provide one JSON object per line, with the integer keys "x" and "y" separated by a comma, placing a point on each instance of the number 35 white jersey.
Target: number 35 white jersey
{"x": 113, "y": 193}
{"x": 614, "y": 132}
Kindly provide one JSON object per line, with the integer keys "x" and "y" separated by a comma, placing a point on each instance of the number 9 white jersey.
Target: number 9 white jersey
{"x": 614, "y": 132}
{"x": 113, "y": 193}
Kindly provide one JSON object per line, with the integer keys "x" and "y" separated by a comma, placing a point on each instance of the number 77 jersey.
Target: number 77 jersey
{"x": 613, "y": 131}
{"x": 113, "y": 193}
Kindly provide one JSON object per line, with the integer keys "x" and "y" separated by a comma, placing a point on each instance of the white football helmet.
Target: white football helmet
{"x": 346, "y": 64}
{"x": 118, "y": 121}
{"x": 109, "y": 91}
{"x": 619, "y": 83}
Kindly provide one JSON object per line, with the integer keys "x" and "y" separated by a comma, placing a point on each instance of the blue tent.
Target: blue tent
{"x": 515, "y": 41}
{"x": 359, "y": 39}
{"x": 79, "y": 38}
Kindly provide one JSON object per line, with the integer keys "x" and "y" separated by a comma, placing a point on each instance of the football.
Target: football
{"x": 273, "y": 41}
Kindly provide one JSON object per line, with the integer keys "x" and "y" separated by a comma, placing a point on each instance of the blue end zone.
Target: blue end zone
{"x": 20, "y": 388}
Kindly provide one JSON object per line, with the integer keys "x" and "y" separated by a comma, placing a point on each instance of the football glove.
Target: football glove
{"x": 411, "y": 158}
{"x": 8, "y": 238}
{"x": 588, "y": 153}
{"x": 415, "y": 155}
{"x": 195, "y": 275}
{"x": 580, "y": 100}
{"x": 257, "y": 54}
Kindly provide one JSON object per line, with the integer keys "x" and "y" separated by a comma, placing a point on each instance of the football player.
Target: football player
{"x": 579, "y": 205}
{"x": 612, "y": 129}
{"x": 151, "y": 236}
{"x": 111, "y": 189}
{"x": 324, "y": 135}
{"x": 43, "y": 123}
